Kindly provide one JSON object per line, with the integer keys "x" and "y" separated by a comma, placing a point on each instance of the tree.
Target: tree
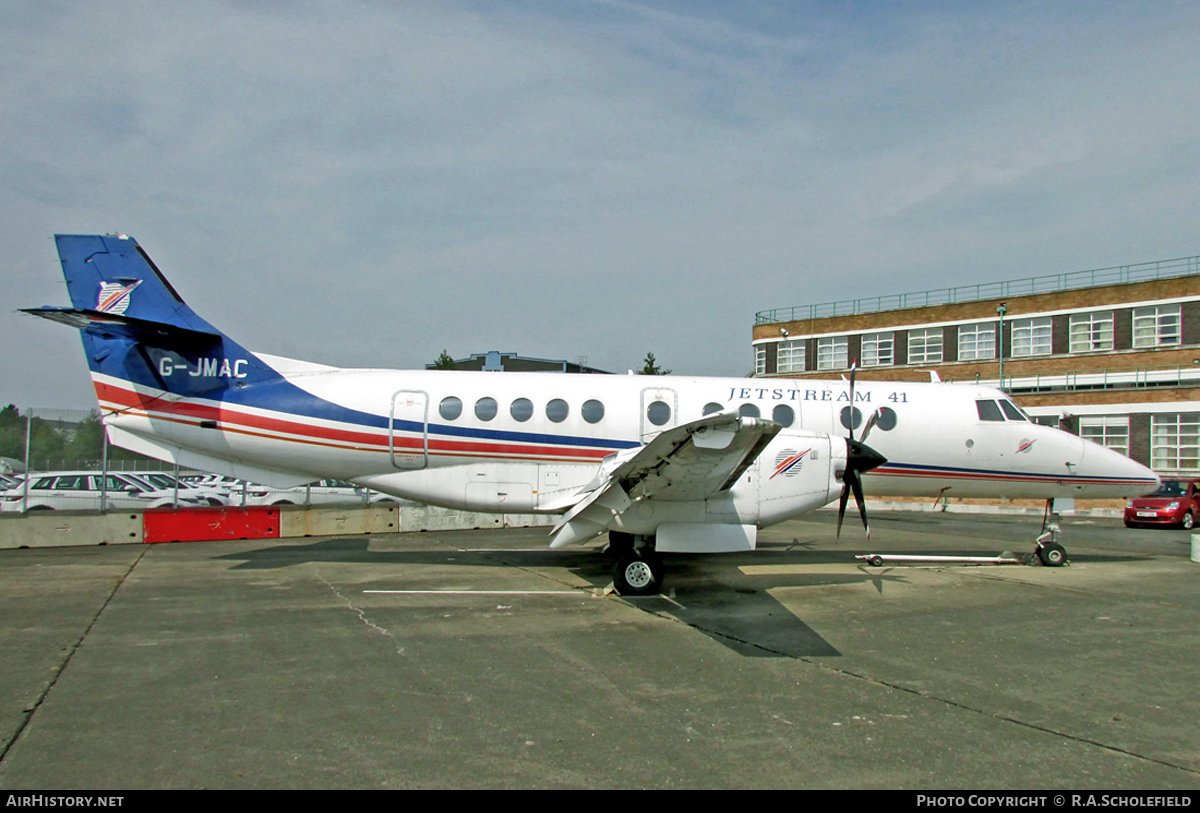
{"x": 444, "y": 362}
{"x": 650, "y": 367}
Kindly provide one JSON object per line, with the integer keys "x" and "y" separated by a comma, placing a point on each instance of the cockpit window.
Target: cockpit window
{"x": 1012, "y": 412}
{"x": 988, "y": 411}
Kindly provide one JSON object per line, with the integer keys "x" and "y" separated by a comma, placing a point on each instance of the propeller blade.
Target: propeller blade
{"x": 874, "y": 419}
{"x": 842, "y": 503}
{"x": 856, "y": 483}
{"x": 853, "y": 372}
{"x": 859, "y": 458}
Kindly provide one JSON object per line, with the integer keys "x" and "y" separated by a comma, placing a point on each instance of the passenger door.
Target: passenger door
{"x": 408, "y": 437}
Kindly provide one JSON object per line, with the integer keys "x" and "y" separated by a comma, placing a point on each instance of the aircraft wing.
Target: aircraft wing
{"x": 690, "y": 462}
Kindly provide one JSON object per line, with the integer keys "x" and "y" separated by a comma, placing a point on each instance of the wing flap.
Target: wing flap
{"x": 690, "y": 462}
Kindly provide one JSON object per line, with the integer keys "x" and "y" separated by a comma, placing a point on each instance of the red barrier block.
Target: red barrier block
{"x": 200, "y": 524}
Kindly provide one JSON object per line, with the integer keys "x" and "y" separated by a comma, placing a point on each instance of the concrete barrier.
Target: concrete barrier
{"x": 48, "y": 529}
{"x": 39, "y": 529}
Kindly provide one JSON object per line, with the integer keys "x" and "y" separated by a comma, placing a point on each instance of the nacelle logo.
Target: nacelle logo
{"x": 788, "y": 463}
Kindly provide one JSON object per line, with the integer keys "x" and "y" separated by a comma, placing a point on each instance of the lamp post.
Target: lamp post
{"x": 1003, "y": 309}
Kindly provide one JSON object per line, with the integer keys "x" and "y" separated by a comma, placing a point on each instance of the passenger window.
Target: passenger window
{"x": 593, "y": 411}
{"x": 1010, "y": 409}
{"x": 887, "y": 419}
{"x": 450, "y": 408}
{"x": 485, "y": 409}
{"x": 710, "y": 409}
{"x": 749, "y": 411}
{"x": 557, "y": 410}
{"x": 521, "y": 409}
{"x": 783, "y": 415}
{"x": 658, "y": 413}
{"x": 988, "y": 411}
{"x": 851, "y": 414}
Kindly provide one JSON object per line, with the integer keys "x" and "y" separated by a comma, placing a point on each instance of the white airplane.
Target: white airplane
{"x": 670, "y": 464}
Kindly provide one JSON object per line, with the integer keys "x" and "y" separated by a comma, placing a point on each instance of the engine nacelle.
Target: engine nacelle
{"x": 797, "y": 473}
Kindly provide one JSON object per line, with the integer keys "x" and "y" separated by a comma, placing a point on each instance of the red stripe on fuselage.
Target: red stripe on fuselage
{"x": 234, "y": 421}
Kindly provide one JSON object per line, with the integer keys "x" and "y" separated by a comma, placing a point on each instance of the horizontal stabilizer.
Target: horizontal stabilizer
{"x": 111, "y": 325}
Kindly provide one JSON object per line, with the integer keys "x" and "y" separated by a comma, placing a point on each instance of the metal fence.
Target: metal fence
{"x": 54, "y": 459}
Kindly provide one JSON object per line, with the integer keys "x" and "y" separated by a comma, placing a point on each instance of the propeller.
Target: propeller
{"x": 860, "y": 458}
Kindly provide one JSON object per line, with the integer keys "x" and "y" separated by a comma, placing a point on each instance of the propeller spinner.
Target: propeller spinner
{"x": 860, "y": 458}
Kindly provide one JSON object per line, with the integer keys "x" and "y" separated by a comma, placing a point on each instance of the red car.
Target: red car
{"x": 1173, "y": 504}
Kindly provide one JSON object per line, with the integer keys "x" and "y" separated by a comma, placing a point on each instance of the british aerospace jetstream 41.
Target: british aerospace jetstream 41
{"x": 672, "y": 464}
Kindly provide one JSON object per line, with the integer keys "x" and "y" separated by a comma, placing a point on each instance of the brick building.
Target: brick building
{"x": 1111, "y": 354}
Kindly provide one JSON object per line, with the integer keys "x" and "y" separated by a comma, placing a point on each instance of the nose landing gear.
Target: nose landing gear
{"x": 1049, "y": 552}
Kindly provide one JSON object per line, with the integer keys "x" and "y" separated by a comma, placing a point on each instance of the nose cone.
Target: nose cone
{"x": 1105, "y": 473}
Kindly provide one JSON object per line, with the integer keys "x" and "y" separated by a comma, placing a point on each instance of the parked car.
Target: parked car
{"x": 321, "y": 492}
{"x": 1174, "y": 504}
{"x": 203, "y": 494}
{"x": 82, "y": 490}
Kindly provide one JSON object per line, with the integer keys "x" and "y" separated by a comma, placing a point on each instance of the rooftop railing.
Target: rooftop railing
{"x": 1116, "y": 275}
{"x": 1129, "y": 378}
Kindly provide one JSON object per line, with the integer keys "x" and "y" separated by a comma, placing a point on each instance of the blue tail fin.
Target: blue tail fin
{"x": 137, "y": 328}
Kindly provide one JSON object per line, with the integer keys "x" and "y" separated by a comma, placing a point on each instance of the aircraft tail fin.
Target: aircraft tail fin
{"x": 137, "y": 329}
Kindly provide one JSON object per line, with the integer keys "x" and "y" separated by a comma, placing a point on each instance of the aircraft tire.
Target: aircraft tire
{"x": 1052, "y": 555}
{"x": 875, "y": 561}
{"x": 637, "y": 573}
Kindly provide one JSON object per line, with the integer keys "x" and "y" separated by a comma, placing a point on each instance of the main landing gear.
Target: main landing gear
{"x": 637, "y": 568}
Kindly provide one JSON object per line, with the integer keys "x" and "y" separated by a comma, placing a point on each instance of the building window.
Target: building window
{"x": 760, "y": 360}
{"x": 1032, "y": 337}
{"x": 1091, "y": 332}
{"x": 878, "y": 349}
{"x": 925, "y": 346}
{"x": 1175, "y": 442}
{"x": 1157, "y": 326}
{"x": 1107, "y": 430}
{"x": 976, "y": 342}
{"x": 790, "y": 358}
{"x": 832, "y": 353}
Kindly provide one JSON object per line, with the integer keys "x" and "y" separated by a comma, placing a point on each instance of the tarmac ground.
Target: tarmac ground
{"x": 481, "y": 659}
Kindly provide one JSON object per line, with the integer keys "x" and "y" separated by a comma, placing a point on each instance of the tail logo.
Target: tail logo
{"x": 114, "y": 297}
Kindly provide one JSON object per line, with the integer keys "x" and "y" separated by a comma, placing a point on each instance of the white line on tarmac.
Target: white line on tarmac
{"x": 478, "y": 592}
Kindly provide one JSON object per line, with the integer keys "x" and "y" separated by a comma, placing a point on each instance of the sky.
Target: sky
{"x": 366, "y": 183}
